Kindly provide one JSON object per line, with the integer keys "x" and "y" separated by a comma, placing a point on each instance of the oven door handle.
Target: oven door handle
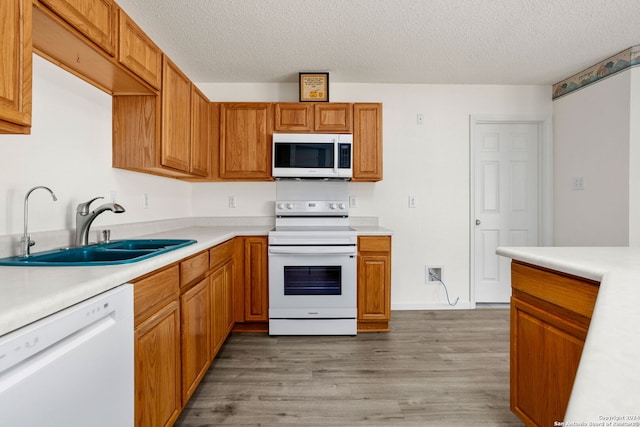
{"x": 313, "y": 250}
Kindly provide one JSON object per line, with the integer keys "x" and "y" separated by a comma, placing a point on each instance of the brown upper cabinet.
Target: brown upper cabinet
{"x": 328, "y": 117}
{"x": 367, "y": 142}
{"x": 200, "y": 134}
{"x": 15, "y": 66}
{"x": 137, "y": 52}
{"x": 332, "y": 117}
{"x": 176, "y": 117}
{"x": 293, "y": 117}
{"x": 81, "y": 36}
{"x": 245, "y": 141}
{"x": 95, "y": 19}
{"x": 164, "y": 134}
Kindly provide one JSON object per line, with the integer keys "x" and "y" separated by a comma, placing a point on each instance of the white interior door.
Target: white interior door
{"x": 505, "y": 202}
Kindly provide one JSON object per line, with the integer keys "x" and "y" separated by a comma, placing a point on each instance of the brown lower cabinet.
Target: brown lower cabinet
{"x": 195, "y": 331}
{"x": 157, "y": 348}
{"x": 374, "y": 283}
{"x": 221, "y": 285}
{"x": 184, "y": 312}
{"x": 550, "y": 316}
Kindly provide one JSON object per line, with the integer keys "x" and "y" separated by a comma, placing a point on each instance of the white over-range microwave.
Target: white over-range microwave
{"x": 312, "y": 155}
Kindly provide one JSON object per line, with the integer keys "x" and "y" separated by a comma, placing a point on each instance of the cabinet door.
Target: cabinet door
{"x": 333, "y": 117}
{"x": 293, "y": 117}
{"x": 200, "y": 145}
{"x": 374, "y": 282}
{"x": 96, "y": 19}
{"x": 367, "y": 142}
{"x": 545, "y": 353}
{"x": 228, "y": 297}
{"x": 217, "y": 303}
{"x": 256, "y": 291}
{"x": 245, "y": 141}
{"x": 137, "y": 52}
{"x": 195, "y": 332}
{"x": 15, "y": 66}
{"x": 176, "y": 117}
{"x": 157, "y": 368}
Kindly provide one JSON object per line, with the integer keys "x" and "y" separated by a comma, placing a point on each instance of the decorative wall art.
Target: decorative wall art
{"x": 314, "y": 87}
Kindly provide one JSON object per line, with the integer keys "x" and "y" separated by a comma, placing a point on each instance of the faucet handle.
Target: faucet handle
{"x": 83, "y": 208}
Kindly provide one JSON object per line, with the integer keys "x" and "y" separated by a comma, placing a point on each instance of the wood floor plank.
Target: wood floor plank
{"x": 435, "y": 368}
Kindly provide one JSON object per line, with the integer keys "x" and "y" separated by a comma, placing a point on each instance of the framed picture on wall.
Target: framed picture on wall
{"x": 314, "y": 87}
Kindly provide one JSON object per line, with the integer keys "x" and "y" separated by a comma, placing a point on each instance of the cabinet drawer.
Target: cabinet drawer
{"x": 374, "y": 244}
{"x": 575, "y": 294}
{"x": 221, "y": 254}
{"x": 152, "y": 292}
{"x": 193, "y": 268}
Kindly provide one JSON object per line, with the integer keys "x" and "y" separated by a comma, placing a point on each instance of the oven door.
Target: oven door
{"x": 308, "y": 282}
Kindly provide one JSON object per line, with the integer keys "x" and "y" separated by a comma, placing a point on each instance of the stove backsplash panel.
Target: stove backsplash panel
{"x": 289, "y": 189}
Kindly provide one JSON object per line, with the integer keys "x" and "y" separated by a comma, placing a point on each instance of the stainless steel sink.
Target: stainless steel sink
{"x": 115, "y": 252}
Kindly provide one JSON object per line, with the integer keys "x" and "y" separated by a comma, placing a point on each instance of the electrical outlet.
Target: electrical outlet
{"x": 412, "y": 201}
{"x": 420, "y": 118}
{"x": 353, "y": 201}
{"x": 232, "y": 201}
{"x": 434, "y": 274}
{"x": 145, "y": 201}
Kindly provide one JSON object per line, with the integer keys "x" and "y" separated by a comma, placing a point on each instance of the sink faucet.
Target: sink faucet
{"x": 84, "y": 218}
{"x": 25, "y": 241}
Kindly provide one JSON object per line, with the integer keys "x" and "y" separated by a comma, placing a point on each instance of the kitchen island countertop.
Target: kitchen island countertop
{"x": 606, "y": 387}
{"x": 28, "y": 294}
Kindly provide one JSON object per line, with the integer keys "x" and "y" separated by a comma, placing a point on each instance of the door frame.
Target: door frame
{"x": 545, "y": 181}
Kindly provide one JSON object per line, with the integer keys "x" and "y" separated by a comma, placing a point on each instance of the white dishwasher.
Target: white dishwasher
{"x": 73, "y": 368}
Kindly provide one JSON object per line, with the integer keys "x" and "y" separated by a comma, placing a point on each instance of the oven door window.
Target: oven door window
{"x": 312, "y": 280}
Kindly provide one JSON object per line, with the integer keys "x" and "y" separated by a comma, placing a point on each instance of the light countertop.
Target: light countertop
{"x": 607, "y": 383}
{"x": 31, "y": 293}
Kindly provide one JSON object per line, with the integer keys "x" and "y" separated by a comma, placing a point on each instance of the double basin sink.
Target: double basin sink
{"x": 115, "y": 252}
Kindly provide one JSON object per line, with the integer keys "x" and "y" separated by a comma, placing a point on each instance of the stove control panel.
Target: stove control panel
{"x": 312, "y": 207}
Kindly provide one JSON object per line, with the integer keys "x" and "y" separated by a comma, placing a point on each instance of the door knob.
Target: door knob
{"x": 478, "y": 222}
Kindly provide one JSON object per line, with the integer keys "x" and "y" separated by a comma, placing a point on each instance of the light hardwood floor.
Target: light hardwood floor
{"x": 435, "y": 368}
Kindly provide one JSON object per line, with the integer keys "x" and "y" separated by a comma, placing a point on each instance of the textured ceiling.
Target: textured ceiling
{"x": 388, "y": 41}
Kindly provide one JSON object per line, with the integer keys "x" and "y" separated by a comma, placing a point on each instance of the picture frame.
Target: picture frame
{"x": 314, "y": 87}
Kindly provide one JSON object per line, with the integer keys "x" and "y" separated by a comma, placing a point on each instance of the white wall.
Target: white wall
{"x": 634, "y": 159}
{"x": 429, "y": 161}
{"x": 592, "y": 140}
{"x": 69, "y": 150}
